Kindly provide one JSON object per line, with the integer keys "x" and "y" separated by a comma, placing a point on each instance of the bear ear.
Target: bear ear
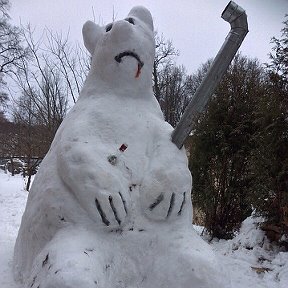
{"x": 143, "y": 14}
{"x": 91, "y": 33}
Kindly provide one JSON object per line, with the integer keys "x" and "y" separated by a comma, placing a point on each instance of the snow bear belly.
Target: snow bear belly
{"x": 103, "y": 155}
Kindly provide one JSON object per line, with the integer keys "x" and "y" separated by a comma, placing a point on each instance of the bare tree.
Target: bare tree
{"x": 74, "y": 63}
{"x": 174, "y": 95}
{"x": 43, "y": 103}
{"x": 194, "y": 80}
{"x": 8, "y": 141}
{"x": 47, "y": 80}
{"x": 11, "y": 49}
{"x": 3, "y": 103}
{"x": 38, "y": 113}
{"x": 165, "y": 52}
{"x": 53, "y": 75}
{"x": 54, "y": 53}
{"x": 31, "y": 138}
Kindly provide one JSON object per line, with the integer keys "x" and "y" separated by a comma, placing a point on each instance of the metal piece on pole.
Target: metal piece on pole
{"x": 237, "y": 18}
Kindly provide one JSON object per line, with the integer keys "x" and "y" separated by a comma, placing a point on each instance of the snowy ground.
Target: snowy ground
{"x": 248, "y": 258}
{"x": 12, "y": 204}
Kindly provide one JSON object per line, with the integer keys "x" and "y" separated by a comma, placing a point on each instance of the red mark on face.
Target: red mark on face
{"x": 123, "y": 147}
{"x": 138, "y": 71}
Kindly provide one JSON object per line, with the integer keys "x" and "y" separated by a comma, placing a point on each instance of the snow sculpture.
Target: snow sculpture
{"x": 110, "y": 205}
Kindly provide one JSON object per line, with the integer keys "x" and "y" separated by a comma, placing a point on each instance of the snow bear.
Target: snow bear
{"x": 111, "y": 204}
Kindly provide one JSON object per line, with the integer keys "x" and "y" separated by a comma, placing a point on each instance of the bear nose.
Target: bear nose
{"x": 120, "y": 30}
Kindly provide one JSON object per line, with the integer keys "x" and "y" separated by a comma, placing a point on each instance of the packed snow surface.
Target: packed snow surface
{"x": 12, "y": 204}
{"x": 248, "y": 249}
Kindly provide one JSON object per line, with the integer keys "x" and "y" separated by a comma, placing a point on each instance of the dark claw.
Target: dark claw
{"x": 45, "y": 261}
{"x": 157, "y": 202}
{"x": 172, "y": 200}
{"x": 124, "y": 202}
{"x": 114, "y": 210}
{"x": 101, "y": 212}
{"x": 33, "y": 281}
{"x": 183, "y": 202}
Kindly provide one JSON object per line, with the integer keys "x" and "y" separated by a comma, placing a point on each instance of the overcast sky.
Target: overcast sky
{"x": 194, "y": 26}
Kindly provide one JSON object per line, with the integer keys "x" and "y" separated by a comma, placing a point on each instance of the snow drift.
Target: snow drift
{"x": 111, "y": 204}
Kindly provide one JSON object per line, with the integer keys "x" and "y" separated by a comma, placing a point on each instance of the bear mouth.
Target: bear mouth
{"x": 128, "y": 53}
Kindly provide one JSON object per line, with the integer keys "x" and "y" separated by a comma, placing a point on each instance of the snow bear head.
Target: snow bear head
{"x": 122, "y": 52}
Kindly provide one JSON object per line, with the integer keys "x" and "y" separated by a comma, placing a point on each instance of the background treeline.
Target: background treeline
{"x": 238, "y": 150}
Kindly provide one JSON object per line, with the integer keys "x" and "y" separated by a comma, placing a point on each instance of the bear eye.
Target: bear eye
{"x": 109, "y": 27}
{"x": 130, "y": 20}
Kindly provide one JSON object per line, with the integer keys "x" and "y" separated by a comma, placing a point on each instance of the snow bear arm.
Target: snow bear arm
{"x": 166, "y": 187}
{"x": 91, "y": 179}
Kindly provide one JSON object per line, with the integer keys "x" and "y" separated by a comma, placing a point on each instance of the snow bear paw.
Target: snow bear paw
{"x": 164, "y": 194}
{"x": 166, "y": 206}
{"x": 111, "y": 209}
